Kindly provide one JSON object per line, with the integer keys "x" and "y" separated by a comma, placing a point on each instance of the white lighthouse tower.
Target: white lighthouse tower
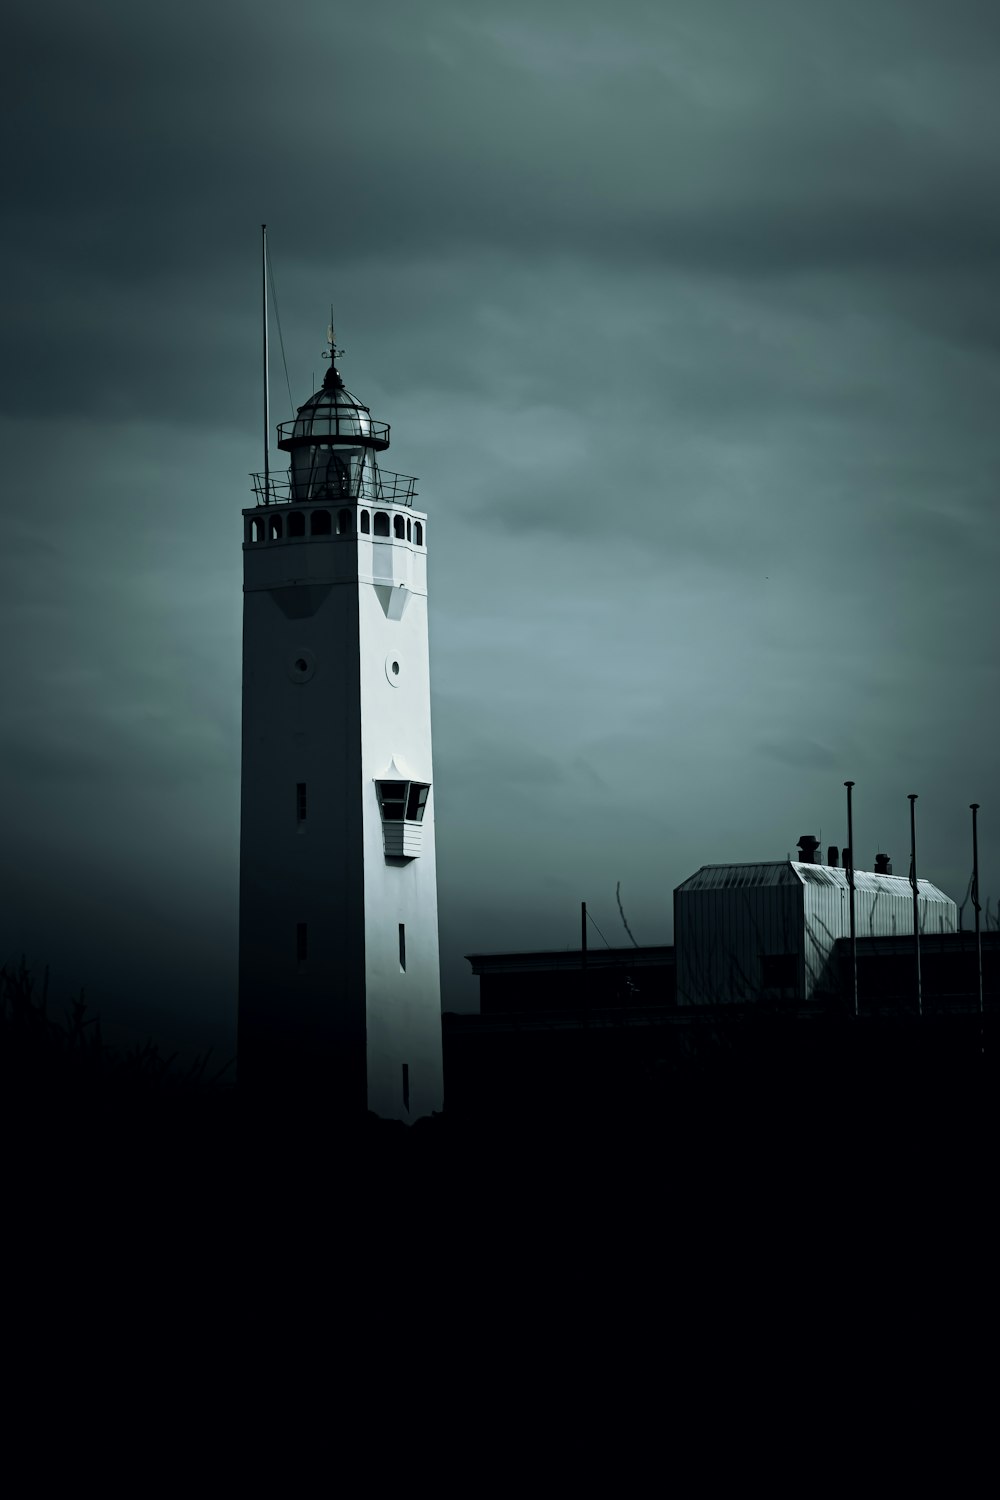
{"x": 339, "y": 1003}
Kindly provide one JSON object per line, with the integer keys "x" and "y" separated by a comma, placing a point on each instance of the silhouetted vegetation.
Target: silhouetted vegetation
{"x": 42, "y": 1053}
{"x": 723, "y": 1104}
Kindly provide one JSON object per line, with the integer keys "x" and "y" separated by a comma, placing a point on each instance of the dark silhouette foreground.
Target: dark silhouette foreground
{"x": 776, "y": 1119}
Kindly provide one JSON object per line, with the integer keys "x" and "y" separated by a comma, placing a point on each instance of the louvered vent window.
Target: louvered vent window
{"x": 402, "y": 805}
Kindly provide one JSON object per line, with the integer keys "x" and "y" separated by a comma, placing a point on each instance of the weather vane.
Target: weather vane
{"x": 332, "y": 352}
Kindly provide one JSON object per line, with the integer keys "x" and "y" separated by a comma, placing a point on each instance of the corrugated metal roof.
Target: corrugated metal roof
{"x": 867, "y": 880}
{"x": 724, "y": 877}
{"x": 790, "y": 872}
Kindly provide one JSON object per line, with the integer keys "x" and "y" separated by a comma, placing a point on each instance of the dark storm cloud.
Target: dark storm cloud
{"x": 137, "y": 150}
{"x": 685, "y": 313}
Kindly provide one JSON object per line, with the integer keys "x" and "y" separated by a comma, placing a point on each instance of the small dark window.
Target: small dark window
{"x": 366, "y": 522}
{"x": 392, "y": 800}
{"x": 779, "y": 971}
{"x": 409, "y": 530}
{"x": 381, "y": 523}
{"x": 321, "y": 523}
{"x": 418, "y": 533}
{"x": 301, "y": 942}
{"x": 402, "y": 947}
{"x": 417, "y": 801}
{"x": 296, "y": 524}
{"x": 256, "y": 530}
{"x": 344, "y": 527}
{"x": 300, "y": 801}
{"x": 274, "y": 528}
{"x": 399, "y": 526}
{"x": 406, "y": 1087}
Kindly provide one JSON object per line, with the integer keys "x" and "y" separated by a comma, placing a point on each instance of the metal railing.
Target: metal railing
{"x": 354, "y": 425}
{"x": 370, "y": 486}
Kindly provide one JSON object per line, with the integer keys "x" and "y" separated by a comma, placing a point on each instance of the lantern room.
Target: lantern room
{"x": 332, "y": 445}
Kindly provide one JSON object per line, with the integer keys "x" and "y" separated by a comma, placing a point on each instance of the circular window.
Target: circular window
{"x": 393, "y": 670}
{"x": 302, "y": 666}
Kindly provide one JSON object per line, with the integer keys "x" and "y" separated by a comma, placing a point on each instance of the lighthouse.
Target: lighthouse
{"x": 339, "y": 981}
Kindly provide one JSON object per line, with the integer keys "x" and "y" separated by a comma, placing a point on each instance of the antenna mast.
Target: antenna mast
{"x": 267, "y": 397}
{"x": 912, "y": 797}
{"x": 850, "y": 881}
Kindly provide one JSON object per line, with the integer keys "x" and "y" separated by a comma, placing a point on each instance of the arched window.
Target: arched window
{"x": 399, "y": 526}
{"x": 381, "y": 523}
{"x": 296, "y": 524}
{"x": 344, "y": 527}
{"x": 409, "y": 531}
{"x": 366, "y": 522}
{"x": 418, "y": 533}
{"x": 320, "y": 523}
{"x": 274, "y": 528}
{"x": 256, "y": 530}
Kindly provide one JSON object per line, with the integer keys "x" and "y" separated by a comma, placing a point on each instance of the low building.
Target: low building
{"x": 609, "y": 978}
{"x": 949, "y": 972}
{"x": 769, "y": 932}
{"x": 560, "y": 1031}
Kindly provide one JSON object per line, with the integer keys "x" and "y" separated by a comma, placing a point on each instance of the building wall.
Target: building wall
{"x": 720, "y": 936}
{"x": 883, "y": 908}
{"x": 539, "y": 983}
{"x": 949, "y": 972}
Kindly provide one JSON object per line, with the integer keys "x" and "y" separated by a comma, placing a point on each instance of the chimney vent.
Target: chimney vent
{"x": 807, "y": 849}
{"x": 833, "y": 857}
{"x": 883, "y": 864}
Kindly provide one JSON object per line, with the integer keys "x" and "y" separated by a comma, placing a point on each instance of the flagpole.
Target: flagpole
{"x": 850, "y": 881}
{"x": 267, "y": 395}
{"x": 975, "y": 906}
{"x": 912, "y": 797}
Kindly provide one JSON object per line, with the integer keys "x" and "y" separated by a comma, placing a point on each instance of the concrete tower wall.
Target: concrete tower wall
{"x": 403, "y": 1005}
{"x": 325, "y": 1002}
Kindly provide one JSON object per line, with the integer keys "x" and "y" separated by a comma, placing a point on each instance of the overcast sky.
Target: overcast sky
{"x": 687, "y": 315}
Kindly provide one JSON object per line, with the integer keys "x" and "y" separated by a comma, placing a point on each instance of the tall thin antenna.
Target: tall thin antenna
{"x": 850, "y": 882}
{"x": 975, "y": 906}
{"x": 912, "y": 797}
{"x": 267, "y": 393}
